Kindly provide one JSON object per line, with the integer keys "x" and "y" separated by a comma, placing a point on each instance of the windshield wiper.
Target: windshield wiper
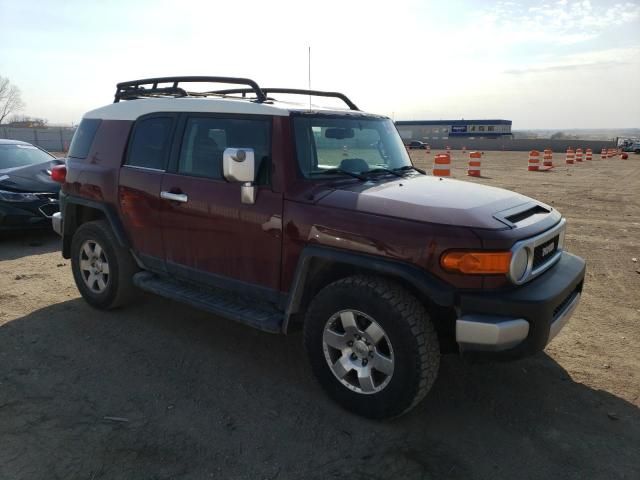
{"x": 385, "y": 170}
{"x": 340, "y": 170}
{"x": 409, "y": 167}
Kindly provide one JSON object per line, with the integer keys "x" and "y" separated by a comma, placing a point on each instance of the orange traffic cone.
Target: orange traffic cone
{"x": 534, "y": 161}
{"x": 474, "y": 164}
{"x": 442, "y": 165}
{"x": 570, "y": 156}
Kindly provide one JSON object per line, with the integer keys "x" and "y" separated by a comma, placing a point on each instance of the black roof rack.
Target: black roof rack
{"x": 294, "y": 91}
{"x": 148, "y": 87}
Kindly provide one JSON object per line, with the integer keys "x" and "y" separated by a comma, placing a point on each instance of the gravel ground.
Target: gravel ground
{"x": 160, "y": 391}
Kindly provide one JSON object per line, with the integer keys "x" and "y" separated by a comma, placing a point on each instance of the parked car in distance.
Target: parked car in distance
{"x": 417, "y": 145}
{"x": 629, "y": 145}
{"x": 284, "y": 217}
{"x": 28, "y": 195}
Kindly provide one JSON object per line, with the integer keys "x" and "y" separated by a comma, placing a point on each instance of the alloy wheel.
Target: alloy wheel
{"x": 94, "y": 266}
{"x": 358, "y": 351}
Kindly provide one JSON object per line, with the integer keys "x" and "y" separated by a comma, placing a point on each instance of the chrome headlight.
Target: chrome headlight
{"x": 519, "y": 264}
{"x": 17, "y": 196}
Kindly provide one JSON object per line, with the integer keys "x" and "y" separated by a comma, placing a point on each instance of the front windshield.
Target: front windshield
{"x": 329, "y": 144}
{"x": 16, "y": 155}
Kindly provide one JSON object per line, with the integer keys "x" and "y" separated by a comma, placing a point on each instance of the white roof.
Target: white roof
{"x": 132, "y": 109}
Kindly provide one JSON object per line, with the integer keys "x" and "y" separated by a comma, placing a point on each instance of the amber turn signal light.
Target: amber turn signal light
{"x": 476, "y": 263}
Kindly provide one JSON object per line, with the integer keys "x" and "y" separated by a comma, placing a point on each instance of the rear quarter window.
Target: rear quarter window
{"x": 151, "y": 141}
{"x": 83, "y": 138}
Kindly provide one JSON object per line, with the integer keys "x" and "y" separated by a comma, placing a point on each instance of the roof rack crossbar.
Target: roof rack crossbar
{"x": 294, "y": 91}
{"x": 149, "y": 87}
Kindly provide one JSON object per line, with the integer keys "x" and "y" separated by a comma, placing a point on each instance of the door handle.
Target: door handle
{"x": 174, "y": 197}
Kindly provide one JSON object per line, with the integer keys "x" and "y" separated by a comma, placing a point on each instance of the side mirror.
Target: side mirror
{"x": 239, "y": 165}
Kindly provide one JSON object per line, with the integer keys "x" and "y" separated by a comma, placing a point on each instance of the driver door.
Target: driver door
{"x": 210, "y": 236}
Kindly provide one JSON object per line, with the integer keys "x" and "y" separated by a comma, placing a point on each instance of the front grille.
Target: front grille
{"x": 49, "y": 209}
{"x": 545, "y": 251}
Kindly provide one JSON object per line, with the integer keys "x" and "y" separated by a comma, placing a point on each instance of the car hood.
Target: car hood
{"x": 429, "y": 199}
{"x": 30, "y": 178}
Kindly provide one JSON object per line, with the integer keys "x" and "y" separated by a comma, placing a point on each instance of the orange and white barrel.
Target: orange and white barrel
{"x": 475, "y": 159}
{"x": 547, "y": 159}
{"x": 570, "y": 156}
{"x": 609, "y": 152}
{"x": 442, "y": 165}
{"x": 603, "y": 154}
{"x": 578, "y": 155}
{"x": 589, "y": 155}
{"x": 534, "y": 161}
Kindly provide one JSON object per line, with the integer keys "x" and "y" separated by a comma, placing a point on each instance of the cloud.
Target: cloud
{"x": 561, "y": 22}
{"x": 559, "y": 68}
{"x": 602, "y": 59}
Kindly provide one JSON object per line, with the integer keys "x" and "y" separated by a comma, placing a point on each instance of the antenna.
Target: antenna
{"x": 309, "y": 60}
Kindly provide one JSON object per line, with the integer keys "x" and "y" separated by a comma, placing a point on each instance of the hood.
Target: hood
{"x": 430, "y": 199}
{"x": 30, "y": 178}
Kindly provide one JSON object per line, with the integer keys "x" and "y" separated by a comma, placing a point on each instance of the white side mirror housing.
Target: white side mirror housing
{"x": 239, "y": 164}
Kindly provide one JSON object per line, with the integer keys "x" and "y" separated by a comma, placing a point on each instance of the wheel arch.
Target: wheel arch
{"x": 77, "y": 211}
{"x": 319, "y": 266}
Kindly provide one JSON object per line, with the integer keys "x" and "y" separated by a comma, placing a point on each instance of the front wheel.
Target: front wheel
{"x": 372, "y": 346}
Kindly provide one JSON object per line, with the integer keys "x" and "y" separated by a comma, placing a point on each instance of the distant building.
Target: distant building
{"x": 427, "y": 130}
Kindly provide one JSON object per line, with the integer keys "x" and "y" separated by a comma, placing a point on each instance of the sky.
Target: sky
{"x": 550, "y": 64}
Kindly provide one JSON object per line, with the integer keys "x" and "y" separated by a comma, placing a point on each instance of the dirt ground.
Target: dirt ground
{"x": 161, "y": 391}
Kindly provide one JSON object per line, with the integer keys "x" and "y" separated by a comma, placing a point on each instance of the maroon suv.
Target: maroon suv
{"x": 283, "y": 215}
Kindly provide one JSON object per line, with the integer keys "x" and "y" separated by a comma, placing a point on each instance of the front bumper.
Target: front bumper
{"x": 26, "y": 215}
{"x": 521, "y": 321}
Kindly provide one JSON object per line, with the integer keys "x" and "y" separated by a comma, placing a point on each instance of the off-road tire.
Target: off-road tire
{"x": 119, "y": 288}
{"x": 408, "y": 328}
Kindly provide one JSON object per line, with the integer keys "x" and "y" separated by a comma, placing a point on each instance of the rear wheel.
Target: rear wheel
{"x": 372, "y": 346}
{"x": 102, "y": 269}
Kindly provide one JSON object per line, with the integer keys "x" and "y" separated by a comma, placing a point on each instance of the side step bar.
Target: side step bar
{"x": 261, "y": 315}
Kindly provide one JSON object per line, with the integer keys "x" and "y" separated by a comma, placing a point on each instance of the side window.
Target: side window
{"x": 83, "y": 138}
{"x": 151, "y": 141}
{"x": 206, "y": 138}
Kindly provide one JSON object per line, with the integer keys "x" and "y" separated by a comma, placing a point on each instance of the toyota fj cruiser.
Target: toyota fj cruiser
{"x": 283, "y": 215}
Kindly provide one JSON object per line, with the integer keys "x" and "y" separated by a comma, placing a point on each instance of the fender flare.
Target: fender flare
{"x": 70, "y": 220}
{"x": 436, "y": 290}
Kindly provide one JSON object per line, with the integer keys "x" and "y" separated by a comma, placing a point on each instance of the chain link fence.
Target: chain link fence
{"x": 58, "y": 139}
{"x": 53, "y": 139}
